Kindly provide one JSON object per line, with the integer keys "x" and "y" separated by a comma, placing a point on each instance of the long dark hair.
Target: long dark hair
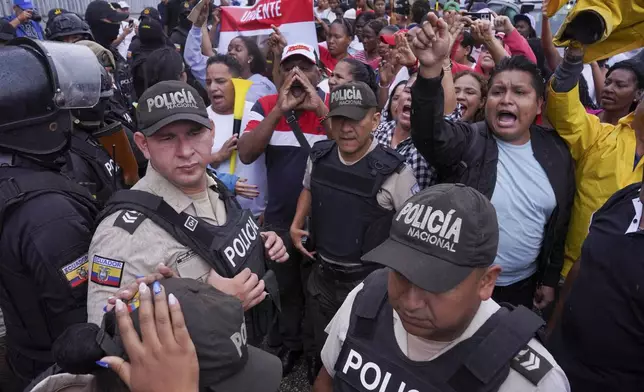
{"x": 361, "y": 72}
{"x": 258, "y": 64}
{"x": 480, "y": 113}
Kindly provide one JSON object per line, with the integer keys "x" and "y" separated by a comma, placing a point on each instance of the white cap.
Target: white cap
{"x": 350, "y": 14}
{"x": 124, "y": 4}
{"x": 301, "y": 49}
{"x": 533, "y": 22}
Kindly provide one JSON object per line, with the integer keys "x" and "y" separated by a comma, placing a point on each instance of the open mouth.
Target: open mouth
{"x": 297, "y": 89}
{"x": 506, "y": 119}
{"x": 406, "y": 110}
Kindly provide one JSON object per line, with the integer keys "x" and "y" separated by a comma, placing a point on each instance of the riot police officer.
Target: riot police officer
{"x": 46, "y": 219}
{"x": 88, "y": 163}
{"x": 67, "y": 27}
{"x": 428, "y": 322}
{"x": 352, "y": 188}
{"x": 181, "y": 215}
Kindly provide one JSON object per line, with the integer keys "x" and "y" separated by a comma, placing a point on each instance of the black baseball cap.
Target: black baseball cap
{"x": 352, "y": 100}
{"x": 151, "y": 31}
{"x": 150, "y": 12}
{"x": 440, "y": 236}
{"x": 167, "y": 102}
{"x": 217, "y": 328}
{"x": 100, "y": 10}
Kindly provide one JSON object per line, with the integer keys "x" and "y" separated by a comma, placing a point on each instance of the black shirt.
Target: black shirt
{"x": 602, "y": 325}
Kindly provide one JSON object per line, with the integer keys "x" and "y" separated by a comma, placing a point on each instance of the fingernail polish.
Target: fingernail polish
{"x": 172, "y": 300}
{"x": 156, "y": 287}
{"x": 120, "y": 306}
{"x": 103, "y": 364}
{"x": 143, "y": 288}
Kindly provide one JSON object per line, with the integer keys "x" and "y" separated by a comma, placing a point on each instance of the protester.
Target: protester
{"x": 361, "y": 21}
{"x": 608, "y": 157}
{"x": 370, "y": 40}
{"x": 335, "y": 177}
{"x": 178, "y": 139}
{"x": 273, "y": 124}
{"x": 25, "y": 20}
{"x": 424, "y": 317}
{"x": 602, "y": 288}
{"x": 324, "y": 11}
{"x": 471, "y": 92}
{"x": 462, "y": 52}
{"x": 250, "y": 187}
{"x": 47, "y": 219}
{"x": 126, "y": 31}
{"x": 509, "y": 160}
{"x": 352, "y": 70}
{"x": 380, "y": 9}
{"x": 243, "y": 49}
{"x": 389, "y": 112}
{"x": 338, "y": 41}
{"x": 396, "y": 135}
{"x": 525, "y": 25}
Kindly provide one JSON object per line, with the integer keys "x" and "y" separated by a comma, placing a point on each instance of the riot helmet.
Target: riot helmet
{"x": 43, "y": 81}
{"x": 67, "y": 25}
{"x": 93, "y": 118}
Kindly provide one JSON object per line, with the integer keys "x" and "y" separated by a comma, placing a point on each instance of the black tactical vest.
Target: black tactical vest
{"x": 16, "y": 188}
{"x": 371, "y": 359}
{"x": 105, "y": 175}
{"x": 228, "y": 248}
{"x": 347, "y": 219}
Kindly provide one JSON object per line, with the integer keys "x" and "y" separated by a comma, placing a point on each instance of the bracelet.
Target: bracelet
{"x": 447, "y": 67}
{"x": 381, "y": 86}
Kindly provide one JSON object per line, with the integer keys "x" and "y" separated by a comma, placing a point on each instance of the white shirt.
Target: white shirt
{"x": 418, "y": 349}
{"x": 255, "y": 173}
{"x": 326, "y": 14}
{"x": 125, "y": 44}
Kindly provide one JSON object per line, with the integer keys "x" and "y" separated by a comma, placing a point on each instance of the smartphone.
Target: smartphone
{"x": 479, "y": 15}
{"x": 131, "y": 23}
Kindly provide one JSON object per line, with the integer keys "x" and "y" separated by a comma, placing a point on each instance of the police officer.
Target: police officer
{"x": 427, "y": 322}
{"x": 46, "y": 219}
{"x": 352, "y": 188}
{"x": 67, "y": 27}
{"x": 181, "y": 215}
{"x": 88, "y": 163}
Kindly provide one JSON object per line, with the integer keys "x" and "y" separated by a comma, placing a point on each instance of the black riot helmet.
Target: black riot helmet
{"x": 65, "y": 25}
{"x": 94, "y": 118}
{"x": 43, "y": 80}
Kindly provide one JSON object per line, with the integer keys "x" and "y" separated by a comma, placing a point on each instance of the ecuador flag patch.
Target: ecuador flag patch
{"x": 107, "y": 272}
{"x": 76, "y": 271}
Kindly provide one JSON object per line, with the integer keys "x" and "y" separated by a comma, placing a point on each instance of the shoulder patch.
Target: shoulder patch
{"x": 129, "y": 220}
{"x": 531, "y": 364}
{"x": 107, "y": 272}
{"x": 76, "y": 272}
{"x": 415, "y": 189}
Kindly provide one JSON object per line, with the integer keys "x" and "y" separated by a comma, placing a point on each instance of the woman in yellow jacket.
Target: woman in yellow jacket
{"x": 607, "y": 156}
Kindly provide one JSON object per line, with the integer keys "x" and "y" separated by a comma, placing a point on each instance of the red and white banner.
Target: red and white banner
{"x": 293, "y": 17}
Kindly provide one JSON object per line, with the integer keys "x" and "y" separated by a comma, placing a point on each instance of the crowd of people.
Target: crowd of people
{"x": 405, "y": 206}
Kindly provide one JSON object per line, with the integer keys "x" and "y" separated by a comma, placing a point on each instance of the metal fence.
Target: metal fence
{"x": 78, "y": 6}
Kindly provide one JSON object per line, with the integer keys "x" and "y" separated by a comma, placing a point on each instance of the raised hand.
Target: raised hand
{"x": 431, "y": 46}
{"x": 482, "y": 31}
{"x": 503, "y": 24}
{"x": 286, "y": 101}
{"x": 404, "y": 54}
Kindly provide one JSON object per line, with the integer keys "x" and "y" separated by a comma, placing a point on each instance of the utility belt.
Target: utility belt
{"x": 345, "y": 274}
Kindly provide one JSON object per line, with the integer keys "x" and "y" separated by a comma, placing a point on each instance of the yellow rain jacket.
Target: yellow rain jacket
{"x": 604, "y": 156}
{"x": 624, "y": 25}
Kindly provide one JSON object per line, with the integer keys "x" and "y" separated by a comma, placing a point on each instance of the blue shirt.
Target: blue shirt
{"x": 29, "y": 29}
{"x": 524, "y": 201}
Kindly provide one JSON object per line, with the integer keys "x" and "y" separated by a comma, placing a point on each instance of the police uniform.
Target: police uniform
{"x": 88, "y": 163}
{"x": 156, "y": 222}
{"x": 437, "y": 240}
{"x": 46, "y": 219}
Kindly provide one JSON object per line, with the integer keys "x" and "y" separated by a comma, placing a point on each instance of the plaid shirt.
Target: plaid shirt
{"x": 425, "y": 174}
